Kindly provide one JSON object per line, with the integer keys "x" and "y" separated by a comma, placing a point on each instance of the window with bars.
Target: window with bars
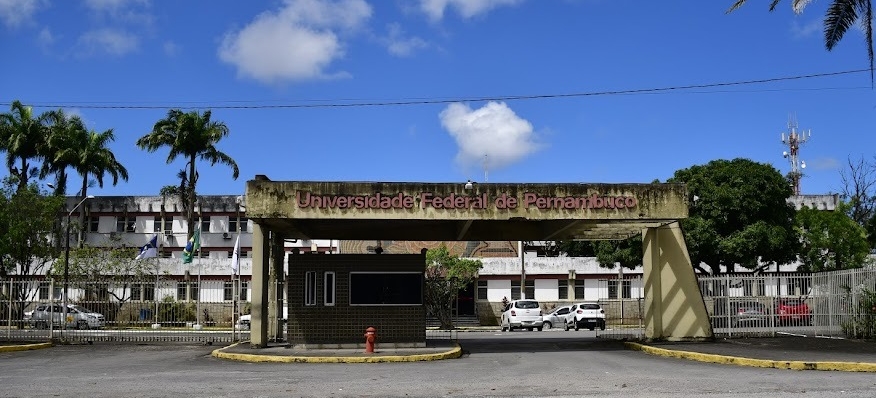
{"x": 125, "y": 224}
{"x": 44, "y": 290}
{"x": 182, "y": 288}
{"x": 579, "y": 289}
{"x": 238, "y": 224}
{"x": 93, "y": 223}
{"x": 310, "y": 288}
{"x": 563, "y": 289}
{"x": 625, "y": 289}
{"x": 529, "y": 289}
{"x": 143, "y": 291}
{"x": 482, "y": 290}
{"x": 515, "y": 290}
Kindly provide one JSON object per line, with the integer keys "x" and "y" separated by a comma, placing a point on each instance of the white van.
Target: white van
{"x": 522, "y": 314}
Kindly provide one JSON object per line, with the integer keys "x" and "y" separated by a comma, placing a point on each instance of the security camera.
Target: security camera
{"x": 785, "y": 154}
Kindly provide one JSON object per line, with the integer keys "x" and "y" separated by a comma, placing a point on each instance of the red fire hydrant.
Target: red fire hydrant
{"x": 370, "y": 339}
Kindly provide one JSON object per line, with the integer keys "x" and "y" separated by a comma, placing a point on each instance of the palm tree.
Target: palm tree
{"x": 193, "y": 136}
{"x": 22, "y": 137}
{"x": 840, "y": 16}
{"x": 61, "y": 143}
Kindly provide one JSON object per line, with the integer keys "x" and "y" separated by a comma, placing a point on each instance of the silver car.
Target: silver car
{"x": 556, "y": 317}
{"x": 77, "y": 317}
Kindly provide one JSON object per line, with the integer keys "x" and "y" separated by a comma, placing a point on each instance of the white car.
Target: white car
{"x": 77, "y": 316}
{"x": 244, "y": 323}
{"x": 522, "y": 314}
{"x": 556, "y": 317}
{"x": 585, "y": 315}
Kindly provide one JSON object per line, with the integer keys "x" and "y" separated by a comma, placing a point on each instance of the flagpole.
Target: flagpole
{"x": 157, "y": 324}
{"x": 198, "y": 325}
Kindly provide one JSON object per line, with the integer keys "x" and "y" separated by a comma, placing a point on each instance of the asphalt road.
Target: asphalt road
{"x": 519, "y": 364}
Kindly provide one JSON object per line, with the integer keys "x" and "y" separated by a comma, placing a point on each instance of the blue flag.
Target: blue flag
{"x": 193, "y": 245}
{"x": 150, "y": 250}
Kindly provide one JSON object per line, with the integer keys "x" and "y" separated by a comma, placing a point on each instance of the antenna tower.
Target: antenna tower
{"x": 793, "y": 141}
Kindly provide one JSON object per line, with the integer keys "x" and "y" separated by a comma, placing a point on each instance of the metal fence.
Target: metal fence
{"x": 172, "y": 311}
{"x": 827, "y": 304}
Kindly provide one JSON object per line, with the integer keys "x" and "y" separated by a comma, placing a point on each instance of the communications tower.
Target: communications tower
{"x": 793, "y": 141}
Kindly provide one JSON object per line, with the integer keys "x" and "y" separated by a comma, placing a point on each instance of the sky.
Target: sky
{"x": 499, "y": 91}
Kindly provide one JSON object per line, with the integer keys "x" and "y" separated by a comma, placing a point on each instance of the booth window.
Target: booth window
{"x": 386, "y": 288}
{"x": 310, "y": 288}
{"x": 329, "y": 281}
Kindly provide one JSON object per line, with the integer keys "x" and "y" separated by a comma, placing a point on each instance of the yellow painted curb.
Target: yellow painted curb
{"x": 758, "y": 363}
{"x": 456, "y": 352}
{"x": 24, "y": 347}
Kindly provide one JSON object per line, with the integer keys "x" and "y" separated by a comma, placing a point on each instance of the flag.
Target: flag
{"x": 150, "y": 250}
{"x": 235, "y": 257}
{"x": 194, "y": 244}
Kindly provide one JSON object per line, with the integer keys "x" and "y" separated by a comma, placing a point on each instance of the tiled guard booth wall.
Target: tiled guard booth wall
{"x": 343, "y": 325}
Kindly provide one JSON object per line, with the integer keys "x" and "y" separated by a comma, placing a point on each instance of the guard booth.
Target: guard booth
{"x": 674, "y": 307}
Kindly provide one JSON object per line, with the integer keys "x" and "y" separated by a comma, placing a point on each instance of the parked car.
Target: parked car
{"x": 556, "y": 317}
{"x": 793, "y": 311}
{"x": 743, "y": 313}
{"x": 585, "y": 315}
{"x": 244, "y": 322}
{"x": 520, "y": 314}
{"x": 77, "y": 317}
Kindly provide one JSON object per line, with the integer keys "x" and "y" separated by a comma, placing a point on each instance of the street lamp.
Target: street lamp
{"x": 67, "y": 255}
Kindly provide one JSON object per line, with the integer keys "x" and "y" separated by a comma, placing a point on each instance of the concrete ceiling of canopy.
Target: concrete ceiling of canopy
{"x": 460, "y": 211}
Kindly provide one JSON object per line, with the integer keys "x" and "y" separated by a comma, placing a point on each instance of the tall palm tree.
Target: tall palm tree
{"x": 840, "y": 16}
{"x": 92, "y": 158}
{"x": 192, "y": 136}
{"x": 22, "y": 137}
{"x": 61, "y": 142}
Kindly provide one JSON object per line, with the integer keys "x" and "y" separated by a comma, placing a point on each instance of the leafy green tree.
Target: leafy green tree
{"x": 627, "y": 252}
{"x": 858, "y": 184}
{"x": 739, "y": 215}
{"x": 22, "y": 137}
{"x": 831, "y": 240}
{"x": 192, "y": 136}
{"x": 839, "y": 17}
{"x": 446, "y": 275}
{"x": 26, "y": 220}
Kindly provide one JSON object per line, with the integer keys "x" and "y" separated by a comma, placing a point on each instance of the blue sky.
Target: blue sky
{"x": 297, "y": 65}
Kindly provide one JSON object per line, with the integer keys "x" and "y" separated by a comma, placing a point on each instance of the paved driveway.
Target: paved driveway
{"x": 524, "y": 364}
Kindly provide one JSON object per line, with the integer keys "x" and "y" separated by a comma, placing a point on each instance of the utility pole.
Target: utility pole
{"x": 793, "y": 141}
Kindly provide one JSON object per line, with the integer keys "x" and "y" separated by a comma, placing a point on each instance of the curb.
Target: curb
{"x": 456, "y": 352}
{"x": 25, "y": 347}
{"x": 758, "y": 363}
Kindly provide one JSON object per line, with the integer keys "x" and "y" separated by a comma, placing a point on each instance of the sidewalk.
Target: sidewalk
{"x": 787, "y": 352}
{"x": 433, "y": 351}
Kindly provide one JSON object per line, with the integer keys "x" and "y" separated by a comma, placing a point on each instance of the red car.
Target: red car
{"x": 793, "y": 312}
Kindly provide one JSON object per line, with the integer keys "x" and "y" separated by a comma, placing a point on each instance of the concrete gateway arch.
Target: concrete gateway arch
{"x": 674, "y": 308}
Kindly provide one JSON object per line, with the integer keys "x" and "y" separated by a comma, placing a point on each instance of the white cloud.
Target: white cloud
{"x": 16, "y": 12}
{"x": 45, "y": 37}
{"x": 493, "y": 130}
{"x": 170, "y": 48}
{"x": 297, "y": 42}
{"x": 466, "y": 8}
{"x": 802, "y": 31}
{"x": 108, "y": 41}
{"x": 399, "y": 45}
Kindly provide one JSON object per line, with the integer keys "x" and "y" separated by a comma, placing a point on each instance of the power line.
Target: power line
{"x": 427, "y": 101}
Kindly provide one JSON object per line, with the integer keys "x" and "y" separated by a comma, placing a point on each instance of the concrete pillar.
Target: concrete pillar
{"x": 674, "y": 307}
{"x": 277, "y": 293}
{"x": 260, "y": 268}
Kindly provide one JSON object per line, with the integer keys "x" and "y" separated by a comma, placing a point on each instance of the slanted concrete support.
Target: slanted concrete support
{"x": 260, "y": 267}
{"x": 674, "y": 307}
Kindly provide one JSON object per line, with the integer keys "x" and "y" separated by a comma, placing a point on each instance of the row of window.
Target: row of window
{"x": 146, "y": 291}
{"x": 127, "y": 223}
{"x": 625, "y": 290}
